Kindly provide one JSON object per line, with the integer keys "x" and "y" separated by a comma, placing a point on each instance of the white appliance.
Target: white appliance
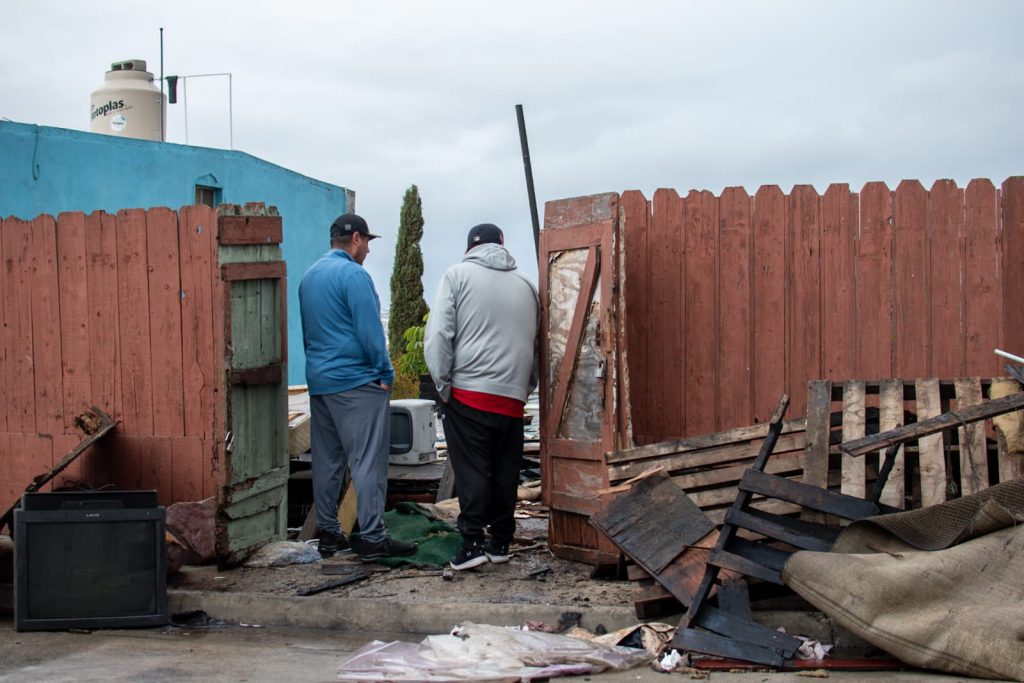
{"x": 413, "y": 432}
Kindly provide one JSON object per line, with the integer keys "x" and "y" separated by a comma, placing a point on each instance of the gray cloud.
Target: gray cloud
{"x": 376, "y": 96}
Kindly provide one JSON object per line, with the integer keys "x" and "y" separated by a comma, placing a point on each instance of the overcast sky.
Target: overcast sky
{"x": 376, "y": 96}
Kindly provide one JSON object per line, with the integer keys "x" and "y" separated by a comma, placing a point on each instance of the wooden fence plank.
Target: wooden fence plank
{"x": 803, "y": 333}
{"x": 701, "y": 226}
{"x": 19, "y": 373}
{"x": 890, "y": 416}
{"x": 819, "y": 409}
{"x": 74, "y": 321}
{"x": 910, "y": 286}
{"x": 1012, "y": 272}
{"x": 636, "y": 214}
{"x": 28, "y": 455}
{"x": 945, "y": 254}
{"x": 187, "y": 468}
{"x": 126, "y": 469}
{"x": 104, "y": 316}
{"x": 157, "y": 465}
{"x": 983, "y": 305}
{"x": 768, "y": 310}
{"x": 734, "y": 305}
{"x": 854, "y": 479}
{"x": 839, "y": 216}
{"x": 973, "y": 456}
{"x": 1011, "y": 461}
{"x": 874, "y": 295}
{"x": 133, "y": 308}
{"x": 195, "y": 237}
{"x": 46, "y": 327}
{"x": 663, "y": 293}
{"x": 669, "y": 362}
{"x": 9, "y": 484}
{"x": 930, "y": 451}
{"x": 163, "y": 258}
{"x": 6, "y": 374}
{"x": 97, "y": 462}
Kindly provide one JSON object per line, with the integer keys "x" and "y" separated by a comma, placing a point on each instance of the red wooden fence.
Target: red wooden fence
{"x": 115, "y": 311}
{"x": 732, "y": 300}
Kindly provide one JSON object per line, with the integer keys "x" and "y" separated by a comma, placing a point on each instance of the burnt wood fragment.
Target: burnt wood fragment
{"x": 953, "y": 418}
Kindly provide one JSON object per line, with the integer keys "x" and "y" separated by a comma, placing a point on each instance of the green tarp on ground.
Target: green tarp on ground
{"x": 438, "y": 541}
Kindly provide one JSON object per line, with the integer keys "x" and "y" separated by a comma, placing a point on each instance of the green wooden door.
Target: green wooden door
{"x": 252, "y": 497}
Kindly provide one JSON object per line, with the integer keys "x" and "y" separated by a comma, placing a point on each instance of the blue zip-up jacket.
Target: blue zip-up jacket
{"x": 341, "y": 327}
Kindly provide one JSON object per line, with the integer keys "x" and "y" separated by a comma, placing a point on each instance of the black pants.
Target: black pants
{"x": 486, "y": 452}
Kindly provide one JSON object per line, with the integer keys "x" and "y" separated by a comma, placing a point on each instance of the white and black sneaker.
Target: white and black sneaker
{"x": 471, "y": 555}
{"x": 496, "y": 551}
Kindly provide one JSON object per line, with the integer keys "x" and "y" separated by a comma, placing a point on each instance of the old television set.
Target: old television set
{"x": 89, "y": 560}
{"x": 413, "y": 432}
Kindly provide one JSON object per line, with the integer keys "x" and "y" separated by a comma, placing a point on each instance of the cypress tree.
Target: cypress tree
{"x": 407, "y": 304}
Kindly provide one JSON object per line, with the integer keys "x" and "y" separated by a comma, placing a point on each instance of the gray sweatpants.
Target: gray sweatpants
{"x": 351, "y": 429}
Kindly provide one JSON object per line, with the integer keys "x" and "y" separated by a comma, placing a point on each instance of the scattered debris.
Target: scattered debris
{"x": 283, "y": 553}
{"x": 671, "y": 661}
{"x": 195, "y": 619}
{"x": 356, "y": 574}
{"x": 539, "y": 573}
{"x": 477, "y": 652}
{"x": 776, "y": 511}
{"x": 192, "y": 525}
{"x": 812, "y": 649}
{"x": 95, "y": 424}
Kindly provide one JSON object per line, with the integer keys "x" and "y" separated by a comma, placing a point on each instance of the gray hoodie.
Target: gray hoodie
{"x": 482, "y": 331}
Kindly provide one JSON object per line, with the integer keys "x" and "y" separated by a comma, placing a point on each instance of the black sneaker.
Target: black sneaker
{"x": 331, "y": 544}
{"x": 496, "y": 551}
{"x": 389, "y": 547}
{"x": 469, "y": 556}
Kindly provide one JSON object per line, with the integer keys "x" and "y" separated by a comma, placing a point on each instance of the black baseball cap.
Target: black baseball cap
{"x": 346, "y": 224}
{"x": 485, "y": 233}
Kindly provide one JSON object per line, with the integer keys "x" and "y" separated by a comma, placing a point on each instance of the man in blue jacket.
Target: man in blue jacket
{"x": 349, "y": 377}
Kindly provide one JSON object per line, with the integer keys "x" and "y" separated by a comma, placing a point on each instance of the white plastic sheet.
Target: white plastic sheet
{"x": 478, "y": 652}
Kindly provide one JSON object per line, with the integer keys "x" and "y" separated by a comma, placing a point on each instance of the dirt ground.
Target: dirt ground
{"x": 532, "y": 576}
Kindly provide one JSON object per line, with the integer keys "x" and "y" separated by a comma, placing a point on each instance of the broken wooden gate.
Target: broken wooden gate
{"x": 582, "y": 383}
{"x": 252, "y": 497}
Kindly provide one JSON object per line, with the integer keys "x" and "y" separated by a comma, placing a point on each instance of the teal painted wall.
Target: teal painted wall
{"x": 50, "y": 170}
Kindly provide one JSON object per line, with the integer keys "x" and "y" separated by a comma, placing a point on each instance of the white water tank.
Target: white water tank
{"x": 128, "y": 103}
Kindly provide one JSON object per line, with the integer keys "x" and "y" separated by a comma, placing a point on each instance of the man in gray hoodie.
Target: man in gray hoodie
{"x": 481, "y": 349}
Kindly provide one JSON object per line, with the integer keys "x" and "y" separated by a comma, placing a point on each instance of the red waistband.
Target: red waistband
{"x": 489, "y": 403}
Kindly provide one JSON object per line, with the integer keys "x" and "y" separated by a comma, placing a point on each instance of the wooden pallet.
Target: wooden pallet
{"x": 929, "y": 470}
{"x": 708, "y": 468}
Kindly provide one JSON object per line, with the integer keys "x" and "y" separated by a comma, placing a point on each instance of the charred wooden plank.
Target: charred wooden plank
{"x": 636, "y": 521}
{"x": 805, "y": 495}
{"x": 727, "y": 560}
{"x": 723, "y": 623}
{"x": 734, "y": 599}
{"x": 742, "y": 499}
{"x": 713, "y": 644}
{"x": 802, "y": 534}
{"x": 760, "y": 552}
{"x": 953, "y": 418}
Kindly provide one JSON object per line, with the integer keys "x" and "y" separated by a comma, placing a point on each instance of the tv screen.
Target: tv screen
{"x": 90, "y": 564}
{"x": 401, "y": 430}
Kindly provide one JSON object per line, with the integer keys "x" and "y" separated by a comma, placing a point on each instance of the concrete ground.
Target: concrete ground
{"x": 265, "y": 655}
{"x": 272, "y": 634}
